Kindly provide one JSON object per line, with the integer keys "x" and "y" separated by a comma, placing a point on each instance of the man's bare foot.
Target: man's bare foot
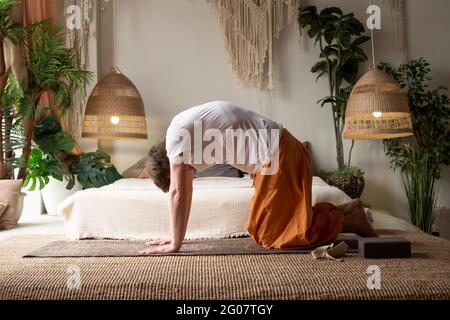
{"x": 351, "y": 206}
{"x": 357, "y": 222}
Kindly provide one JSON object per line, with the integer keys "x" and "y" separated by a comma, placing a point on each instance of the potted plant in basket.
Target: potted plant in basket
{"x": 339, "y": 37}
{"x": 419, "y": 158}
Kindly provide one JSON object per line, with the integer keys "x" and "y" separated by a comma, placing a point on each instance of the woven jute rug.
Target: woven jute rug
{"x": 283, "y": 276}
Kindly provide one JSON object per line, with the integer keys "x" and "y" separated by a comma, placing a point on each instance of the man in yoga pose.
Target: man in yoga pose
{"x": 281, "y": 213}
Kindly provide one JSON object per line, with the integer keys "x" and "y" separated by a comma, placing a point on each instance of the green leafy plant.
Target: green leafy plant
{"x": 41, "y": 167}
{"x": 8, "y": 133}
{"x": 420, "y": 157}
{"x": 94, "y": 170}
{"x": 351, "y": 171}
{"x": 51, "y": 68}
{"x": 50, "y": 158}
{"x": 11, "y": 127}
{"x": 339, "y": 37}
{"x": 50, "y": 138}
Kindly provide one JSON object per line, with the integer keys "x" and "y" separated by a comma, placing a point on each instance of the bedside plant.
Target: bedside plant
{"x": 339, "y": 37}
{"x": 350, "y": 179}
{"x": 51, "y": 157}
{"x": 419, "y": 158}
{"x": 40, "y": 168}
{"x": 94, "y": 170}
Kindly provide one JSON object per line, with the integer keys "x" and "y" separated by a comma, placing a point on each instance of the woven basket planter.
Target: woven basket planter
{"x": 352, "y": 186}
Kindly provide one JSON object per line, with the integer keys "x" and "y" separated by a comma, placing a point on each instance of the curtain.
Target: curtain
{"x": 38, "y": 10}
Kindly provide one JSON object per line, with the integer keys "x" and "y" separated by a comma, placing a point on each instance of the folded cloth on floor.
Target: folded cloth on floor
{"x": 331, "y": 252}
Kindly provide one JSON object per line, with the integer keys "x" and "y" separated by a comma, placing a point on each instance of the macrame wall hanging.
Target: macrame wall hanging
{"x": 250, "y": 27}
{"x": 77, "y": 39}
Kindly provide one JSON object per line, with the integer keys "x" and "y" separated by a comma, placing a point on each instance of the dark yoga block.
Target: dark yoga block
{"x": 384, "y": 247}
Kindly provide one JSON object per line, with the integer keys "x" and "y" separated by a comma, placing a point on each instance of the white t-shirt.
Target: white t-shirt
{"x": 221, "y": 132}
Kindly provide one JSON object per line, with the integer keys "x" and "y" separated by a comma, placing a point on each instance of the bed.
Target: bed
{"x": 136, "y": 209}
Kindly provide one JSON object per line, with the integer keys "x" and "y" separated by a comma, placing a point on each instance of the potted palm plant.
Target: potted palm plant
{"x": 53, "y": 70}
{"x": 420, "y": 157}
{"x": 339, "y": 37}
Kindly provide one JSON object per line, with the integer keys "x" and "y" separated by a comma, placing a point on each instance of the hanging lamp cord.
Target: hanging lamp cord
{"x": 372, "y": 41}
{"x": 115, "y": 46}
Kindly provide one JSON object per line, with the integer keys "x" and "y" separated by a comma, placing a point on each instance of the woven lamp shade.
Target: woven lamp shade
{"x": 377, "y": 109}
{"x": 115, "y": 110}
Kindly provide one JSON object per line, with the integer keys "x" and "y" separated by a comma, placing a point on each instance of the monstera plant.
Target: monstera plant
{"x": 339, "y": 37}
{"x": 95, "y": 170}
{"x": 52, "y": 159}
{"x": 52, "y": 156}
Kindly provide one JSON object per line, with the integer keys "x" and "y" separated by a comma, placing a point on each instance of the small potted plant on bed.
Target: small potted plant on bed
{"x": 419, "y": 158}
{"x": 339, "y": 37}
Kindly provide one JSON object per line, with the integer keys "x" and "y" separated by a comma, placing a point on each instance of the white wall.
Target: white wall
{"x": 174, "y": 53}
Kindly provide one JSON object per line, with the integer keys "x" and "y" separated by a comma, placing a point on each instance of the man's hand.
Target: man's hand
{"x": 158, "y": 242}
{"x": 161, "y": 246}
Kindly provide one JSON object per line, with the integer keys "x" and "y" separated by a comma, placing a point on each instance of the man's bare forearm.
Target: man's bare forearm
{"x": 179, "y": 206}
{"x": 180, "y": 198}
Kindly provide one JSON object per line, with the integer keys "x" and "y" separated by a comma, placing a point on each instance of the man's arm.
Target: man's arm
{"x": 180, "y": 199}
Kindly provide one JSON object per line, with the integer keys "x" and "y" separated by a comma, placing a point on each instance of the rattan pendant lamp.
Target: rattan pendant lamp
{"x": 115, "y": 110}
{"x": 377, "y": 108}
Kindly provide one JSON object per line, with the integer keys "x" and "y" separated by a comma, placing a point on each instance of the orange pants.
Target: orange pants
{"x": 281, "y": 213}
